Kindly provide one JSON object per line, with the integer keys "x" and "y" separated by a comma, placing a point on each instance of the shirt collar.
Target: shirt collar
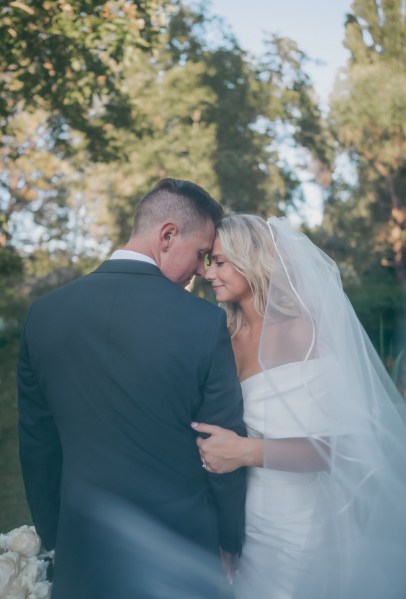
{"x": 131, "y": 255}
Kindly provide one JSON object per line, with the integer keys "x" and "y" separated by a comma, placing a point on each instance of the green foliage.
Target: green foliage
{"x": 207, "y": 117}
{"x": 251, "y": 174}
{"x": 63, "y": 99}
{"x": 376, "y": 30}
{"x": 396, "y": 366}
{"x": 368, "y": 118}
{"x": 67, "y": 56}
{"x": 393, "y": 359}
{"x": 377, "y": 304}
{"x": 207, "y": 113}
{"x": 10, "y": 262}
{"x": 382, "y": 310}
{"x": 13, "y": 304}
{"x": 363, "y": 227}
{"x": 392, "y": 362}
{"x": 13, "y": 506}
{"x": 373, "y": 96}
{"x": 354, "y": 232}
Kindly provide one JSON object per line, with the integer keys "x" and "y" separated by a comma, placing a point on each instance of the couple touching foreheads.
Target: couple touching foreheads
{"x": 128, "y": 385}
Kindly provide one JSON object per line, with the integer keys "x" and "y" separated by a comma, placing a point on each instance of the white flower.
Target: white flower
{"x": 42, "y": 590}
{"x": 22, "y": 570}
{"x": 25, "y": 578}
{"x": 3, "y": 542}
{"x": 9, "y": 571}
{"x": 24, "y": 540}
{"x": 33, "y": 579}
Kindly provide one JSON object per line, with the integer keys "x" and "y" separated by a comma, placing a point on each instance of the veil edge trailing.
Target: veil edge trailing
{"x": 329, "y": 386}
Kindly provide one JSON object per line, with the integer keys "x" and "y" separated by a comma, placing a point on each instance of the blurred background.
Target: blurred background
{"x": 296, "y": 110}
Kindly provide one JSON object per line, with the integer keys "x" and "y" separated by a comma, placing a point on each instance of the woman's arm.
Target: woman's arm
{"x": 225, "y": 451}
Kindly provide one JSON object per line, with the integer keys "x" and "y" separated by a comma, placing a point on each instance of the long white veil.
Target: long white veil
{"x": 340, "y": 397}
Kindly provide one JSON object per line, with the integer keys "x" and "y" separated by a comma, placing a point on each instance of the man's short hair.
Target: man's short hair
{"x": 183, "y": 202}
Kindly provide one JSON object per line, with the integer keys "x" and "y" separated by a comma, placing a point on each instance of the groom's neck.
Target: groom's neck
{"x": 143, "y": 246}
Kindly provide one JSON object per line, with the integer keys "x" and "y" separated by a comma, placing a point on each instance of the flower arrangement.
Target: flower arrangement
{"x": 23, "y": 567}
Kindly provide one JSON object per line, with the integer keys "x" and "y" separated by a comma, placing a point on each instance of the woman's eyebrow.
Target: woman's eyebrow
{"x": 215, "y": 256}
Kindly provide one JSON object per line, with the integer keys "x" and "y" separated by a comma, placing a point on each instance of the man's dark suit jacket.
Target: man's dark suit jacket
{"x": 113, "y": 369}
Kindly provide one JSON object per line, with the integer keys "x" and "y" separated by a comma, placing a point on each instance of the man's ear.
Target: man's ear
{"x": 166, "y": 236}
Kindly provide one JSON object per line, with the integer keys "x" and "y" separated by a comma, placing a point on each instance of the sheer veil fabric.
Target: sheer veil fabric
{"x": 329, "y": 386}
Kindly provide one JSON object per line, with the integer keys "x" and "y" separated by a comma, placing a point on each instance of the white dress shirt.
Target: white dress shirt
{"x": 131, "y": 255}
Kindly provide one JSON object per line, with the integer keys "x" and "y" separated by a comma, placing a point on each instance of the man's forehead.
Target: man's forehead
{"x": 207, "y": 235}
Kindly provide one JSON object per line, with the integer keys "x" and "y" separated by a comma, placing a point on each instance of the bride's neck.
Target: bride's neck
{"x": 250, "y": 317}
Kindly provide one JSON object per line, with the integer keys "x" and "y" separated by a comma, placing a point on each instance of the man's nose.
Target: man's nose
{"x": 208, "y": 273}
{"x": 200, "y": 270}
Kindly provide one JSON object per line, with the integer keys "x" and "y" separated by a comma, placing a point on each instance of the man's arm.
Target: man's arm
{"x": 223, "y": 405}
{"x": 40, "y": 450}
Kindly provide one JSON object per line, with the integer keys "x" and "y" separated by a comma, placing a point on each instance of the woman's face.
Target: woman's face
{"x": 228, "y": 284}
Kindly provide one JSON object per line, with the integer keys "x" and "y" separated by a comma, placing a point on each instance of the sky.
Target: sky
{"x": 316, "y": 25}
{"x": 318, "y": 28}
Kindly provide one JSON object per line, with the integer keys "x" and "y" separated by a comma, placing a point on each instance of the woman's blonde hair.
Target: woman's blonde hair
{"x": 247, "y": 244}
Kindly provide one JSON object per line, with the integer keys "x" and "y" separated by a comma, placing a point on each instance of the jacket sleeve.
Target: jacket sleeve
{"x": 222, "y": 405}
{"x": 40, "y": 449}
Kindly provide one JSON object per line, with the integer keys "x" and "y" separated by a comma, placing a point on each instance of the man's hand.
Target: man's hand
{"x": 228, "y": 564}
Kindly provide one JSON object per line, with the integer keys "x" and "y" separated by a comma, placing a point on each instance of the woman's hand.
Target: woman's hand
{"x": 224, "y": 451}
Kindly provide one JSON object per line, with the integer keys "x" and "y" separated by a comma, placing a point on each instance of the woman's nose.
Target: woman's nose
{"x": 208, "y": 275}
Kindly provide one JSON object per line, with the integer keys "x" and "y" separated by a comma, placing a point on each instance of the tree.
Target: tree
{"x": 368, "y": 115}
{"x": 66, "y": 57}
{"x": 364, "y": 214}
{"x": 64, "y": 101}
{"x": 210, "y": 113}
{"x": 215, "y": 115}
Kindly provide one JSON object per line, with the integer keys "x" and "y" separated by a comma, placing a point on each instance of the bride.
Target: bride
{"x": 326, "y": 451}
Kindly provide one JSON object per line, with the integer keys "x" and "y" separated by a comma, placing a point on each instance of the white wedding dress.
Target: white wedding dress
{"x": 339, "y": 533}
{"x": 285, "y": 511}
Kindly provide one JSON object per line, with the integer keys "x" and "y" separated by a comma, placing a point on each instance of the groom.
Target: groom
{"x": 113, "y": 369}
